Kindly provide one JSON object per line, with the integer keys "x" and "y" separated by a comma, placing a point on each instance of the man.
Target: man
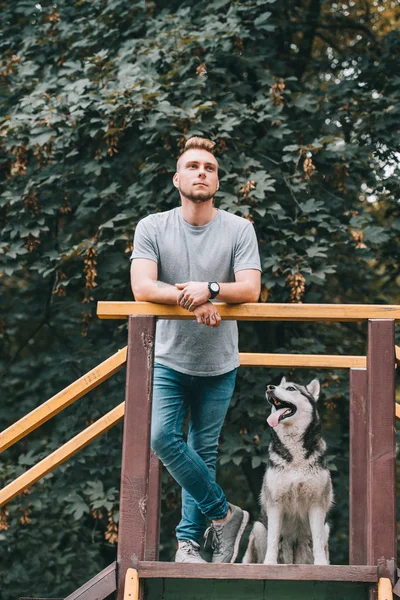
{"x": 191, "y": 255}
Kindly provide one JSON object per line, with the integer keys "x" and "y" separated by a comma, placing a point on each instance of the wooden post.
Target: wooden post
{"x": 136, "y": 446}
{"x": 358, "y": 467}
{"x": 381, "y": 481}
{"x": 153, "y": 509}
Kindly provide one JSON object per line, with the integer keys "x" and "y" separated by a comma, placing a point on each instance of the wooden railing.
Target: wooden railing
{"x": 148, "y": 544}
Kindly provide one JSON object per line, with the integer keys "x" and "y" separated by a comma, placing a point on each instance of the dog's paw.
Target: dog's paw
{"x": 321, "y": 561}
{"x": 269, "y": 561}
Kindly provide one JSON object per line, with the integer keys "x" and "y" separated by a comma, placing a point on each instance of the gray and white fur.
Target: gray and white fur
{"x": 296, "y": 492}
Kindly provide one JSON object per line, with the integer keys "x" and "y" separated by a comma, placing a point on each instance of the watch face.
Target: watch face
{"x": 214, "y": 287}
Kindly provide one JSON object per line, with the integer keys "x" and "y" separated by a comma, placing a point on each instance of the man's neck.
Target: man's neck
{"x": 198, "y": 214}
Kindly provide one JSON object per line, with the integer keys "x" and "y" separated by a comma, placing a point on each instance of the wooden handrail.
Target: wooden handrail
{"x": 62, "y": 454}
{"x": 302, "y": 361}
{"x": 256, "y": 311}
{"x": 70, "y": 448}
{"x": 106, "y": 369}
{"x": 62, "y": 400}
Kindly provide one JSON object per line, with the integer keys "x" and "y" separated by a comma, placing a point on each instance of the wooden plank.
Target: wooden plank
{"x": 131, "y": 585}
{"x": 397, "y": 353}
{"x": 136, "y": 447}
{"x": 366, "y": 574}
{"x": 381, "y": 485}
{"x": 307, "y": 361}
{"x": 153, "y": 509}
{"x": 385, "y": 591}
{"x": 255, "y": 311}
{"x": 358, "y": 467}
{"x": 61, "y": 454}
{"x": 62, "y": 400}
{"x": 99, "y": 587}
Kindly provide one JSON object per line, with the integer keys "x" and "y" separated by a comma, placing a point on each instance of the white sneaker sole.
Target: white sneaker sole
{"x": 243, "y": 526}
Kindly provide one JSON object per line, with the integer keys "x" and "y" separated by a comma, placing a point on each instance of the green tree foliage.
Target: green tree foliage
{"x": 96, "y": 100}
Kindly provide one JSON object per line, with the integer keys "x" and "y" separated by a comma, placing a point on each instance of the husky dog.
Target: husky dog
{"x": 297, "y": 490}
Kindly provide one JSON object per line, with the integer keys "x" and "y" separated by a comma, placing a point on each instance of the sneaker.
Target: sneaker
{"x": 188, "y": 552}
{"x": 225, "y": 538}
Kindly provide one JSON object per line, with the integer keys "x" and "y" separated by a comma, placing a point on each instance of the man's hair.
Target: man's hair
{"x": 198, "y": 143}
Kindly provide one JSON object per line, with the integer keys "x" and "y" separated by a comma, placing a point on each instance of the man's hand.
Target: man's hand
{"x": 207, "y": 314}
{"x": 193, "y": 294}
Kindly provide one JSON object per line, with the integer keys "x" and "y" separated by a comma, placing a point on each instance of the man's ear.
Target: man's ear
{"x": 175, "y": 180}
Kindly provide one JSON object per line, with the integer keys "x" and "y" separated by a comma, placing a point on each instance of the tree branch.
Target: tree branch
{"x": 310, "y": 27}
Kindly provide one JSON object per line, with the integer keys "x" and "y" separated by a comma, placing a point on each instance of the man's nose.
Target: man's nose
{"x": 269, "y": 388}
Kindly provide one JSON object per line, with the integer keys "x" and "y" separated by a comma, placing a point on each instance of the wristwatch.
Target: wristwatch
{"x": 214, "y": 288}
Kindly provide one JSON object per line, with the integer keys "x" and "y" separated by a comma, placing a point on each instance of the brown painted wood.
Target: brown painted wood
{"x": 152, "y": 570}
{"x": 358, "y": 467}
{"x": 256, "y": 311}
{"x": 153, "y": 509}
{"x": 99, "y": 587}
{"x": 381, "y": 480}
{"x": 136, "y": 446}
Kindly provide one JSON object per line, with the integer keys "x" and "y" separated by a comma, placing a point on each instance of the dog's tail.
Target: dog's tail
{"x": 257, "y": 546}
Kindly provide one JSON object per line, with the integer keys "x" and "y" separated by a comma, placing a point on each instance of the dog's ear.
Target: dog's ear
{"x": 283, "y": 381}
{"x": 314, "y": 388}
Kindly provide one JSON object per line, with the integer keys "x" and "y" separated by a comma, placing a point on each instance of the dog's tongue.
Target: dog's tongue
{"x": 273, "y": 418}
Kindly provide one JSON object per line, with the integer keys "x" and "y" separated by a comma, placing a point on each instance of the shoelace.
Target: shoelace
{"x": 213, "y": 537}
{"x": 189, "y": 548}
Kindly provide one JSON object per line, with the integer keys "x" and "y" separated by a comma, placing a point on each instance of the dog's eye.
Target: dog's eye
{"x": 291, "y": 389}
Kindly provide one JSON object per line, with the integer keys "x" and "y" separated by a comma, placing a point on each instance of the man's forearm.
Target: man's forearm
{"x": 238, "y": 292}
{"x": 155, "y": 291}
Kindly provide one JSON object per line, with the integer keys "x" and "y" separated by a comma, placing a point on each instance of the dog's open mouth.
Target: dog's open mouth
{"x": 284, "y": 410}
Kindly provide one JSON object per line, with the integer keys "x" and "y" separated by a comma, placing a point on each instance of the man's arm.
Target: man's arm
{"x": 246, "y": 288}
{"x": 146, "y": 287}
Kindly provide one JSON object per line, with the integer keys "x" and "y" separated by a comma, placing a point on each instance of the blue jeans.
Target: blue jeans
{"x": 191, "y": 463}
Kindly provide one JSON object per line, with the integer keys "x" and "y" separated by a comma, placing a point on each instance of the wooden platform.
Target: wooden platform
{"x": 170, "y": 570}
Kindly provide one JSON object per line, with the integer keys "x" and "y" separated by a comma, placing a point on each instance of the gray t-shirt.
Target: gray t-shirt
{"x": 184, "y": 252}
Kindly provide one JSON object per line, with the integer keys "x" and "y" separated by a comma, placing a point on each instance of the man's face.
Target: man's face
{"x": 197, "y": 176}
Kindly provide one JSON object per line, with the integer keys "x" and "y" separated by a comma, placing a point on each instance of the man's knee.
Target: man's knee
{"x": 162, "y": 442}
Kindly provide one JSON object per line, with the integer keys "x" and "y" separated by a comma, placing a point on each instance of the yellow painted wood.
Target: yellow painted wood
{"x": 131, "y": 591}
{"x": 62, "y": 400}
{"x": 62, "y": 454}
{"x": 397, "y": 351}
{"x": 315, "y": 361}
{"x": 385, "y": 589}
{"x": 256, "y": 311}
